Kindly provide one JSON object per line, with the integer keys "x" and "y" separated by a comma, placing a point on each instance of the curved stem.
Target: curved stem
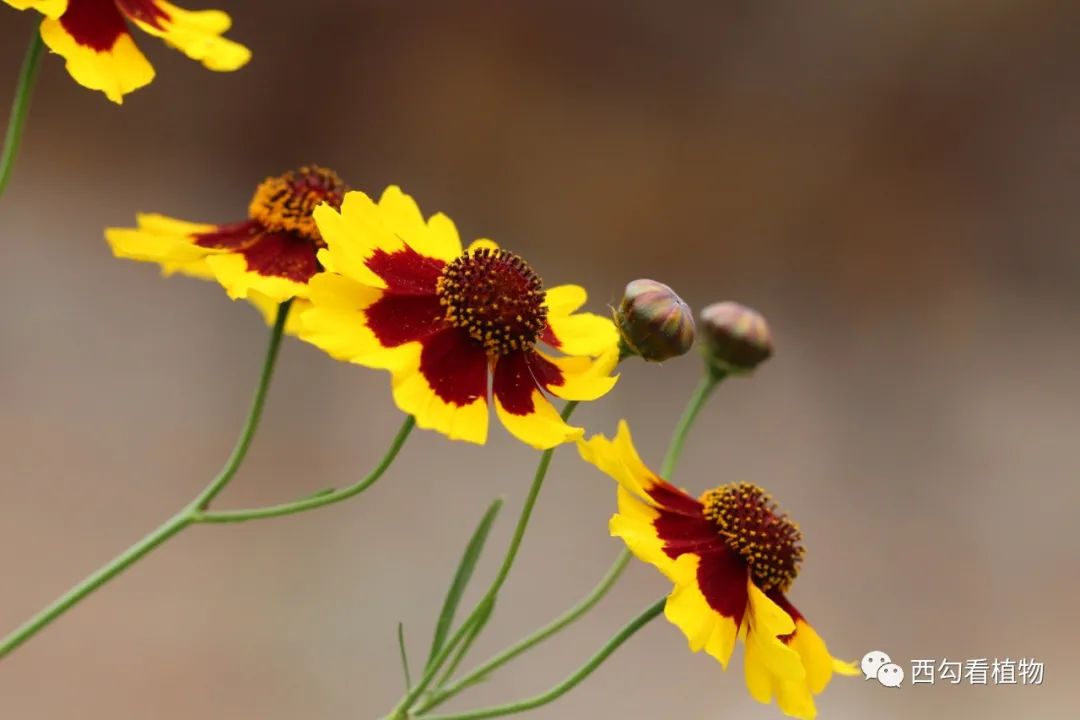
{"x": 251, "y": 424}
{"x": 690, "y": 413}
{"x": 315, "y": 501}
{"x": 569, "y": 683}
{"x": 697, "y": 401}
{"x": 20, "y": 107}
{"x": 583, "y": 606}
{"x": 175, "y": 524}
{"x": 464, "y": 630}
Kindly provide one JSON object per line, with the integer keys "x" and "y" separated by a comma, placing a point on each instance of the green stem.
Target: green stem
{"x": 106, "y": 573}
{"x": 239, "y": 452}
{"x": 464, "y": 631}
{"x": 316, "y": 501}
{"x": 693, "y": 409}
{"x": 175, "y": 524}
{"x": 708, "y": 383}
{"x": 537, "y": 637}
{"x": 569, "y": 683}
{"x": 20, "y": 107}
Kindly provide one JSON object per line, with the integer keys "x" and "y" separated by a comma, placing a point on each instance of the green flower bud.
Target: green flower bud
{"x": 737, "y": 338}
{"x": 654, "y": 322}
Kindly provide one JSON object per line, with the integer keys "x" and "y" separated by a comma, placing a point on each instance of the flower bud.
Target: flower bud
{"x": 737, "y": 338}
{"x": 654, "y": 322}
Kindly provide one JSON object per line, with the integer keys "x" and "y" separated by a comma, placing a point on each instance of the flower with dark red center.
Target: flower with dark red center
{"x": 732, "y": 557}
{"x": 267, "y": 259}
{"x": 400, "y": 294}
{"x": 93, "y": 37}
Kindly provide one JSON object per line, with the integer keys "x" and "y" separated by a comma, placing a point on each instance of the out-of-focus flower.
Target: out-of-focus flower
{"x": 654, "y": 321}
{"x": 400, "y": 294}
{"x": 732, "y": 558}
{"x": 93, "y": 37}
{"x": 267, "y": 259}
{"x": 737, "y": 338}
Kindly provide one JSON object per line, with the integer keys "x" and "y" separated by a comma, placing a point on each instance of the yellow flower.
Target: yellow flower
{"x": 400, "y": 294}
{"x": 93, "y": 37}
{"x": 267, "y": 259}
{"x": 731, "y": 557}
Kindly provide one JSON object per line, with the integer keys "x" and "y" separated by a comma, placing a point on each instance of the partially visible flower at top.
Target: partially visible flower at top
{"x": 93, "y": 37}
{"x": 654, "y": 322}
{"x": 400, "y": 294}
{"x": 267, "y": 259}
{"x": 736, "y": 338}
{"x": 732, "y": 557}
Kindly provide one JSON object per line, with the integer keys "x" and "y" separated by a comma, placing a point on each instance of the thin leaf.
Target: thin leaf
{"x": 404, "y": 655}
{"x": 461, "y": 579}
{"x": 485, "y": 611}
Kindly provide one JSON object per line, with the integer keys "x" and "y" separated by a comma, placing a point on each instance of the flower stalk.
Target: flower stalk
{"x": 197, "y": 511}
{"x": 690, "y": 414}
{"x": 20, "y": 108}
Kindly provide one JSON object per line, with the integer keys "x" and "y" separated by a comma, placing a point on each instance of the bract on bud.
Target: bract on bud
{"x": 737, "y": 338}
{"x": 654, "y": 322}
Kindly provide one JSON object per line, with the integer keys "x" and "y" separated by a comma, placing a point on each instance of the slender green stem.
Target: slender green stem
{"x": 239, "y": 452}
{"x": 106, "y": 573}
{"x": 315, "y": 501}
{"x": 20, "y": 107}
{"x": 690, "y": 413}
{"x": 464, "y": 631}
{"x": 175, "y": 524}
{"x": 577, "y": 611}
{"x": 569, "y": 683}
{"x": 708, "y": 383}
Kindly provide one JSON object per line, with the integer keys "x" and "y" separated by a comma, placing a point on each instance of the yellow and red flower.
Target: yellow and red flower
{"x": 732, "y": 558}
{"x": 400, "y": 294}
{"x": 269, "y": 258}
{"x": 93, "y": 37}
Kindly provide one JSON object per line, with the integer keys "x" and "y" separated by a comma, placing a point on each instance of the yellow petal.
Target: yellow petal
{"x": 165, "y": 241}
{"x": 115, "y": 72}
{"x": 436, "y": 238}
{"x": 584, "y": 379}
{"x": 634, "y": 525}
{"x": 49, "y": 8}
{"x": 542, "y": 428}
{"x": 687, "y": 609}
{"x": 584, "y": 333}
{"x": 198, "y": 35}
{"x": 562, "y": 300}
{"x": 353, "y": 235}
{"x": 619, "y": 460}
{"x": 415, "y": 396}
{"x": 231, "y": 270}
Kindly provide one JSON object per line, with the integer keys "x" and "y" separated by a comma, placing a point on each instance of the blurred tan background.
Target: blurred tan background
{"x": 891, "y": 183}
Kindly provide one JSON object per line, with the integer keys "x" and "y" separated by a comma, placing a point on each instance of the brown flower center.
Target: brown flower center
{"x": 285, "y": 202}
{"x": 496, "y": 297}
{"x": 753, "y": 527}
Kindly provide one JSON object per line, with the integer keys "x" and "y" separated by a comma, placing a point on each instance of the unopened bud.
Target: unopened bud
{"x": 654, "y": 322}
{"x": 737, "y": 338}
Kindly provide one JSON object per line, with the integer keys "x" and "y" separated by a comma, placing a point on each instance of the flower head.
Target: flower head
{"x": 93, "y": 37}
{"x": 654, "y": 322}
{"x": 737, "y": 338}
{"x": 732, "y": 557}
{"x": 402, "y": 295}
{"x": 267, "y": 259}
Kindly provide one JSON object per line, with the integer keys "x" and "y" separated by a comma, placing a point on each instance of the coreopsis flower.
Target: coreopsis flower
{"x": 737, "y": 338}
{"x": 94, "y": 38}
{"x": 732, "y": 557}
{"x": 267, "y": 259}
{"x": 400, "y": 294}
